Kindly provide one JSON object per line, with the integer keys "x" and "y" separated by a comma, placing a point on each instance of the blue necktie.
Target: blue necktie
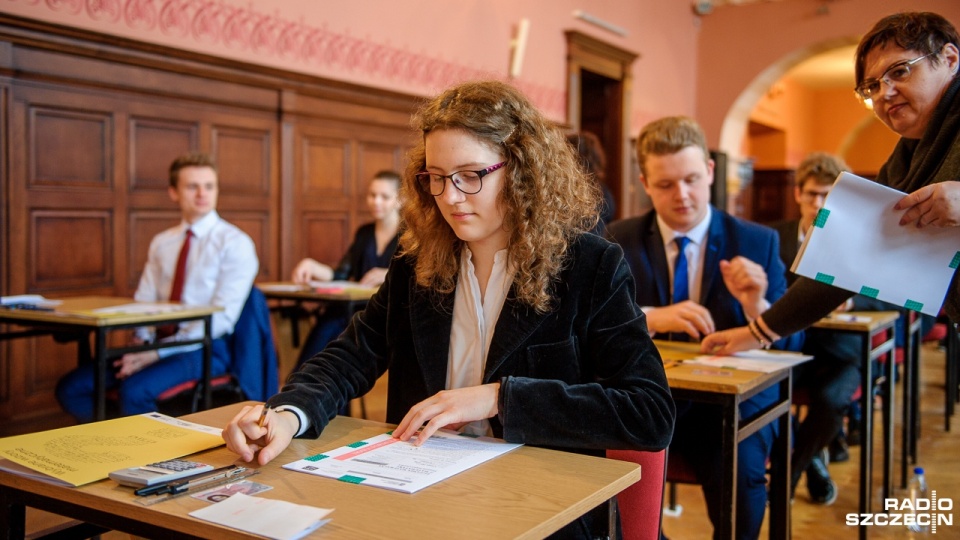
{"x": 681, "y": 279}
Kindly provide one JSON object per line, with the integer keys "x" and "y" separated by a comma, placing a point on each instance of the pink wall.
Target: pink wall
{"x": 740, "y": 45}
{"x": 415, "y": 46}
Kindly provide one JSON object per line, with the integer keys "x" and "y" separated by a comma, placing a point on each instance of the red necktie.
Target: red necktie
{"x": 177, "y": 289}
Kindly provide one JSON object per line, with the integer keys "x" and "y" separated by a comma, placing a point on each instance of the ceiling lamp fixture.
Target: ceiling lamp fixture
{"x": 706, "y": 7}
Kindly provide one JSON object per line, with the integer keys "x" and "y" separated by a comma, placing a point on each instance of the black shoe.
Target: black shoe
{"x": 823, "y": 490}
{"x": 853, "y": 432}
{"x": 839, "y": 450}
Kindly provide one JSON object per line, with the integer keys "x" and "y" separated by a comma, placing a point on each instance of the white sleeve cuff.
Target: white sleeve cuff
{"x": 301, "y": 417}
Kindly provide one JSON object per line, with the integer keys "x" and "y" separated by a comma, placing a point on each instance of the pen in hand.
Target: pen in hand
{"x": 263, "y": 415}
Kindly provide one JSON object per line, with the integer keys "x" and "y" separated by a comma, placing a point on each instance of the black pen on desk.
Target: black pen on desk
{"x": 169, "y": 487}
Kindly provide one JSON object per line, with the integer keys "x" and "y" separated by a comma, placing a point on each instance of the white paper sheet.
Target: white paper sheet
{"x": 141, "y": 308}
{"x": 267, "y": 517}
{"x": 857, "y": 244}
{"x": 385, "y": 462}
{"x": 754, "y": 360}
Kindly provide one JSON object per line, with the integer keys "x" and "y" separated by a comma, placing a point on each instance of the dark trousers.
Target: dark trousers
{"x": 696, "y": 438}
{"x": 830, "y": 381}
{"x": 138, "y": 392}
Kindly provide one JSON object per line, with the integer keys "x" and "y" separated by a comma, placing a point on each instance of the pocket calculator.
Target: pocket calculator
{"x": 160, "y": 472}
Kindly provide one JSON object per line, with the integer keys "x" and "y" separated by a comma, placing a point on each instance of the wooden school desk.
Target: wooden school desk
{"x": 727, "y": 388}
{"x": 868, "y": 324}
{"x": 527, "y": 493}
{"x": 353, "y": 299}
{"x": 77, "y": 315}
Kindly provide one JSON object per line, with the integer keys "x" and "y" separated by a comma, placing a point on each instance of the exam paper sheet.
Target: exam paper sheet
{"x": 857, "y": 244}
{"x": 271, "y": 518}
{"x": 753, "y": 360}
{"x": 385, "y": 462}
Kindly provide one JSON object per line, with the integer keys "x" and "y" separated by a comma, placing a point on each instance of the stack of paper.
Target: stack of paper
{"x": 267, "y": 517}
{"x": 858, "y": 244}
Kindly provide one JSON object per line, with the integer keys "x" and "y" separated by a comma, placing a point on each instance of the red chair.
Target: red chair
{"x": 641, "y": 505}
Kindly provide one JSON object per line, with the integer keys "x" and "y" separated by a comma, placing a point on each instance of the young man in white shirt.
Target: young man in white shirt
{"x": 219, "y": 266}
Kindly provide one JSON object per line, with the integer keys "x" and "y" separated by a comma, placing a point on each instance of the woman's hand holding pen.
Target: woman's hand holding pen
{"x": 449, "y": 408}
{"x": 256, "y": 429}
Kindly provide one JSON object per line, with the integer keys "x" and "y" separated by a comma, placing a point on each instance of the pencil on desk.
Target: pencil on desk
{"x": 263, "y": 415}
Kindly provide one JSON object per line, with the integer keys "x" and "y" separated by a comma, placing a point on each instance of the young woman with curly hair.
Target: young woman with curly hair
{"x": 500, "y": 315}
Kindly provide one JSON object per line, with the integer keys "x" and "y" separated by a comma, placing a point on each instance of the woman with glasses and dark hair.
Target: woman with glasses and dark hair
{"x": 499, "y": 315}
{"x": 906, "y": 68}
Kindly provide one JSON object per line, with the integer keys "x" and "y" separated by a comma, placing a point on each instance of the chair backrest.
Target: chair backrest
{"x": 641, "y": 505}
{"x": 253, "y": 354}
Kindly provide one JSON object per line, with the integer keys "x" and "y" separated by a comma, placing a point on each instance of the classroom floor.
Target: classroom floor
{"x": 937, "y": 450}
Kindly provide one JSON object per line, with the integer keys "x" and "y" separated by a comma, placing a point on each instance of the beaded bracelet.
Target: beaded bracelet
{"x": 763, "y": 333}
{"x": 756, "y": 335}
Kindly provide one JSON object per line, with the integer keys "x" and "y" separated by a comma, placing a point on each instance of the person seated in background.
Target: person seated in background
{"x": 832, "y": 377}
{"x": 500, "y": 315}
{"x": 365, "y": 261}
{"x": 202, "y": 261}
{"x": 725, "y": 272}
{"x": 594, "y": 161}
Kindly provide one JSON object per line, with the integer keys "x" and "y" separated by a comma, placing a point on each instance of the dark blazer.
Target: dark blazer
{"x": 727, "y": 237}
{"x": 789, "y": 245}
{"x": 584, "y": 376}
{"x": 253, "y": 358}
{"x": 362, "y": 255}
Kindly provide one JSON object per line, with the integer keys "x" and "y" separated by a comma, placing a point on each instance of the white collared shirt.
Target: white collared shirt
{"x": 471, "y": 331}
{"x": 221, "y": 267}
{"x": 695, "y": 251}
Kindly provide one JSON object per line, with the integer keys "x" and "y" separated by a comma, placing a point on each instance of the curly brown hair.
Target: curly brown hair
{"x": 547, "y": 198}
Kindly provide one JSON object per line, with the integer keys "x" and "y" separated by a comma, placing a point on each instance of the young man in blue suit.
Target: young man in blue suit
{"x": 729, "y": 272}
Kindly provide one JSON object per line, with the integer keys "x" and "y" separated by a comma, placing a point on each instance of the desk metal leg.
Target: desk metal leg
{"x": 728, "y": 486}
{"x": 12, "y": 516}
{"x": 866, "y": 439}
{"x": 889, "y": 402}
{"x": 780, "y": 476}
{"x": 100, "y": 374}
{"x": 207, "y": 361}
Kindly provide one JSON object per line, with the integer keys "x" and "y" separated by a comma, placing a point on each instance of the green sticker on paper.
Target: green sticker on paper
{"x": 955, "y": 263}
{"x": 821, "y": 218}
{"x": 317, "y": 457}
{"x": 357, "y": 444}
{"x": 869, "y": 292}
{"x": 914, "y": 305}
{"x": 351, "y": 479}
{"x": 824, "y": 278}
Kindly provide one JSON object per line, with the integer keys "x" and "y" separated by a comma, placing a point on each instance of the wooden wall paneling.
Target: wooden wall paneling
{"x": 63, "y": 168}
{"x": 70, "y": 250}
{"x": 246, "y": 154}
{"x": 88, "y": 126}
{"x": 323, "y": 194}
{"x": 327, "y": 234}
{"x": 153, "y": 144}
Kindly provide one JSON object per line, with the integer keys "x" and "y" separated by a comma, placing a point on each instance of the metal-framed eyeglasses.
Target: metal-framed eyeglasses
{"x": 468, "y": 182}
{"x": 897, "y": 73}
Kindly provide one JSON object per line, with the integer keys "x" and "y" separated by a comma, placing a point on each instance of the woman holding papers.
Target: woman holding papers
{"x": 499, "y": 315}
{"x": 906, "y": 69}
{"x": 365, "y": 261}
